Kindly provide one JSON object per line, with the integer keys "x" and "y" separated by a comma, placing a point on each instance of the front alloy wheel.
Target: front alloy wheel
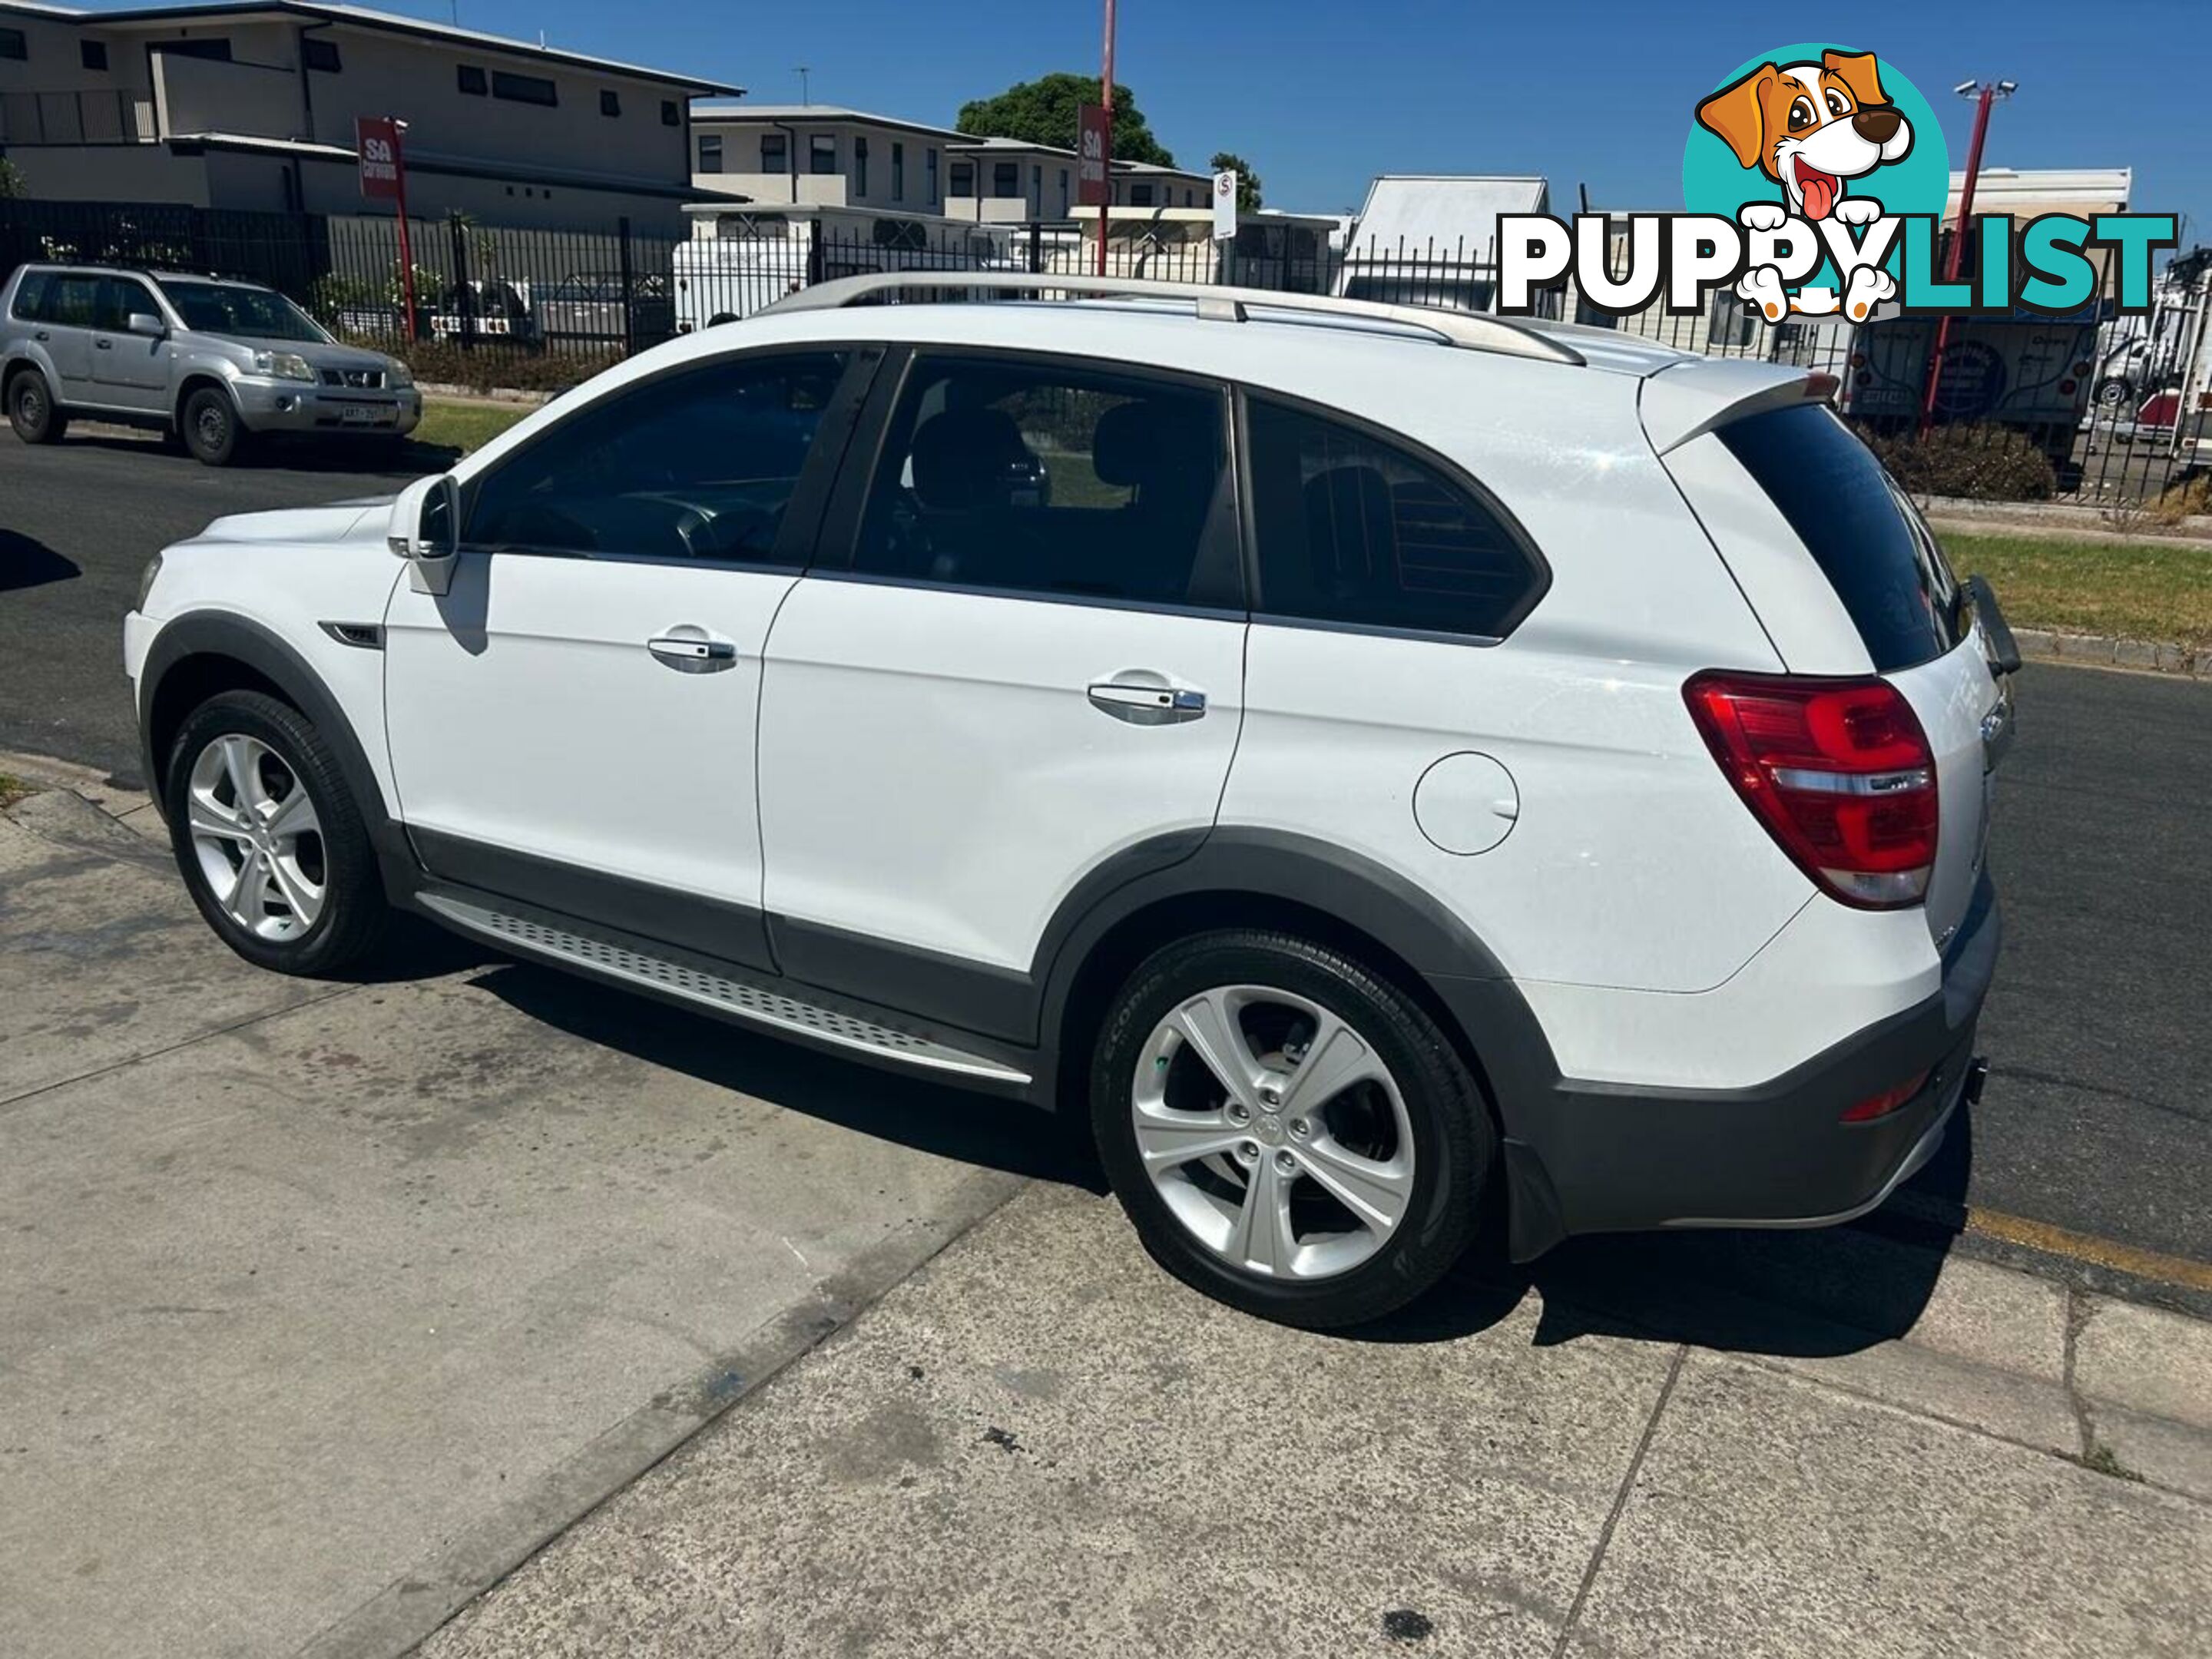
{"x": 258, "y": 839}
{"x": 270, "y": 840}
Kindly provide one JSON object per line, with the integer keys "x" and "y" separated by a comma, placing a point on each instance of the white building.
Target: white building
{"x": 250, "y": 104}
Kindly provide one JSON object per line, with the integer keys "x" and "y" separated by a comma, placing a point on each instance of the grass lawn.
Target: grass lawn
{"x": 464, "y": 426}
{"x": 2134, "y": 590}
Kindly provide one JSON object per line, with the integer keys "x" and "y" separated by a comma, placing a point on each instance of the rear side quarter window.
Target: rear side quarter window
{"x": 30, "y": 296}
{"x": 1862, "y": 530}
{"x": 1358, "y": 529}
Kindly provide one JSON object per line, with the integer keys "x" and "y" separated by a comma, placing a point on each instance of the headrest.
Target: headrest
{"x": 961, "y": 459}
{"x": 1147, "y": 442}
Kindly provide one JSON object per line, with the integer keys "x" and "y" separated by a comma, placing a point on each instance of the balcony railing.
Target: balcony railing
{"x": 104, "y": 117}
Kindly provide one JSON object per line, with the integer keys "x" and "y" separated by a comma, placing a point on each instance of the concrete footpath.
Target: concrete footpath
{"x": 322, "y": 1308}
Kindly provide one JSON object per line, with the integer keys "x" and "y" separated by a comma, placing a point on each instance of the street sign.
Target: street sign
{"x": 377, "y": 139}
{"x": 1094, "y": 144}
{"x": 1225, "y": 205}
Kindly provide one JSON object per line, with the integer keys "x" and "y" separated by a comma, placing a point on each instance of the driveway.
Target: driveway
{"x": 315, "y": 1298}
{"x": 324, "y": 1307}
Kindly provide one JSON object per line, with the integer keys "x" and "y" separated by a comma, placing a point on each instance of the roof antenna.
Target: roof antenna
{"x": 802, "y": 70}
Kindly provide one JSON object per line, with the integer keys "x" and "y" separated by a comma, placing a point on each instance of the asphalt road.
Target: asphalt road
{"x": 2097, "y": 1113}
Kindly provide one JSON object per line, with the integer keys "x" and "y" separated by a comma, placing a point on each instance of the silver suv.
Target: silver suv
{"x": 211, "y": 361}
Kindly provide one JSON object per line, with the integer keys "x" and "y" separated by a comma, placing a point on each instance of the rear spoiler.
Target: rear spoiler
{"x": 1685, "y": 400}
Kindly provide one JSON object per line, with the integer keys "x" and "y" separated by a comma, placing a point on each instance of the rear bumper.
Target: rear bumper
{"x": 271, "y": 405}
{"x": 1586, "y": 1157}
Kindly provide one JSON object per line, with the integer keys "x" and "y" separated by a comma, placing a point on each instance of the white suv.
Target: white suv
{"x": 1389, "y": 768}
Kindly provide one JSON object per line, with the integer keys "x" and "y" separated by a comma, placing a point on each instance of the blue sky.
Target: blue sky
{"x": 1322, "y": 94}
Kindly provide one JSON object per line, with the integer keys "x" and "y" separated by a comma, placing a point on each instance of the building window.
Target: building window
{"x": 1063, "y": 194}
{"x": 929, "y": 162}
{"x": 93, "y": 53}
{"x": 898, "y": 171}
{"x": 1140, "y": 196}
{"x": 524, "y": 88}
{"x": 963, "y": 178}
{"x": 14, "y": 44}
{"x": 775, "y": 153}
{"x": 317, "y": 53}
{"x": 1036, "y": 190}
{"x": 216, "y": 49}
{"x": 859, "y": 166}
{"x": 710, "y": 152}
{"x": 472, "y": 79}
{"x": 1006, "y": 180}
{"x": 610, "y": 102}
{"x": 822, "y": 153}
{"x": 671, "y": 116}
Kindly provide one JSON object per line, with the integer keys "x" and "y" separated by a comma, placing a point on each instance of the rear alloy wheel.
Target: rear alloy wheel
{"x": 31, "y": 409}
{"x": 269, "y": 842}
{"x": 1288, "y": 1132}
{"x": 210, "y": 429}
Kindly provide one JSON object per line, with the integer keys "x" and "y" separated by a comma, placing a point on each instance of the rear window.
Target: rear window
{"x": 1863, "y": 532}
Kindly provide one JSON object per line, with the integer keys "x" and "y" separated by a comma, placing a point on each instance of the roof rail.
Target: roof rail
{"x": 1474, "y": 330}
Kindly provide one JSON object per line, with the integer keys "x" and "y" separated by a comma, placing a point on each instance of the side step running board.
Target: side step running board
{"x": 775, "y": 1011}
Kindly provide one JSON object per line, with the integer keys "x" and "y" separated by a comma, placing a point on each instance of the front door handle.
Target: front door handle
{"x": 104, "y": 345}
{"x": 690, "y": 649}
{"x": 1144, "y": 704}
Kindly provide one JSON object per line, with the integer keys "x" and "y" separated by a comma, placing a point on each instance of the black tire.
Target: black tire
{"x": 211, "y": 429}
{"x": 353, "y": 912}
{"x": 31, "y": 408}
{"x": 1453, "y": 1141}
{"x": 2114, "y": 389}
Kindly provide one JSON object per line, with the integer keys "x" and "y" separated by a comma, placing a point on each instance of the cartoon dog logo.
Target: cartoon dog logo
{"x": 1812, "y": 128}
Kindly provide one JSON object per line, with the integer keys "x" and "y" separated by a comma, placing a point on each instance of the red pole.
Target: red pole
{"x": 406, "y": 253}
{"x": 1958, "y": 247}
{"x": 1106, "y": 97}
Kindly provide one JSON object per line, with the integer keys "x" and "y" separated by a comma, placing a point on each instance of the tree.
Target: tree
{"x": 12, "y": 184}
{"x": 1042, "y": 112}
{"x": 1248, "y": 182}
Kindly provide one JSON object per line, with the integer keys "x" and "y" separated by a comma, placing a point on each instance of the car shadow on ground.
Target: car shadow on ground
{"x": 1814, "y": 1293}
{"x": 960, "y": 1124}
{"x": 25, "y": 563}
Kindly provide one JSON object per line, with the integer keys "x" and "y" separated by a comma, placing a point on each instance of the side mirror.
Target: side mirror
{"x": 424, "y": 529}
{"x": 146, "y": 322}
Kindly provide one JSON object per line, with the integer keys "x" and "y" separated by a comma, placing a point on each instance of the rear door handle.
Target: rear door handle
{"x": 1147, "y": 705}
{"x": 690, "y": 649}
{"x": 104, "y": 345}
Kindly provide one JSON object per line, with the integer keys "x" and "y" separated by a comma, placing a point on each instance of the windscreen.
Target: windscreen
{"x": 1863, "y": 532}
{"x": 250, "y": 313}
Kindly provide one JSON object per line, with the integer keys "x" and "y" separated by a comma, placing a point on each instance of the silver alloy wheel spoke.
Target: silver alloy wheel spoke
{"x": 1375, "y": 1192}
{"x": 1262, "y": 1239}
{"x": 1209, "y": 1024}
{"x": 294, "y": 815}
{"x": 1335, "y": 1061}
{"x": 1167, "y": 1137}
{"x": 1229, "y": 1148}
{"x": 250, "y": 847}
{"x": 209, "y": 817}
{"x": 248, "y": 902}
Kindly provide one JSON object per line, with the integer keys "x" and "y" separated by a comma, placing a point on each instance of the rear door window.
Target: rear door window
{"x": 1861, "y": 529}
{"x": 1359, "y": 532}
{"x": 1036, "y": 476}
{"x": 72, "y": 301}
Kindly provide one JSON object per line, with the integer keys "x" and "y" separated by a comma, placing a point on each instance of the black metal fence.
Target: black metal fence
{"x": 2089, "y": 408}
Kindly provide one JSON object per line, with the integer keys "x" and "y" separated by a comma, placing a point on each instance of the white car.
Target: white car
{"x": 1389, "y": 769}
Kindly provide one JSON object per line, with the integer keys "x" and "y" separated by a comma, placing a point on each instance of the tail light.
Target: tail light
{"x": 1837, "y": 770}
